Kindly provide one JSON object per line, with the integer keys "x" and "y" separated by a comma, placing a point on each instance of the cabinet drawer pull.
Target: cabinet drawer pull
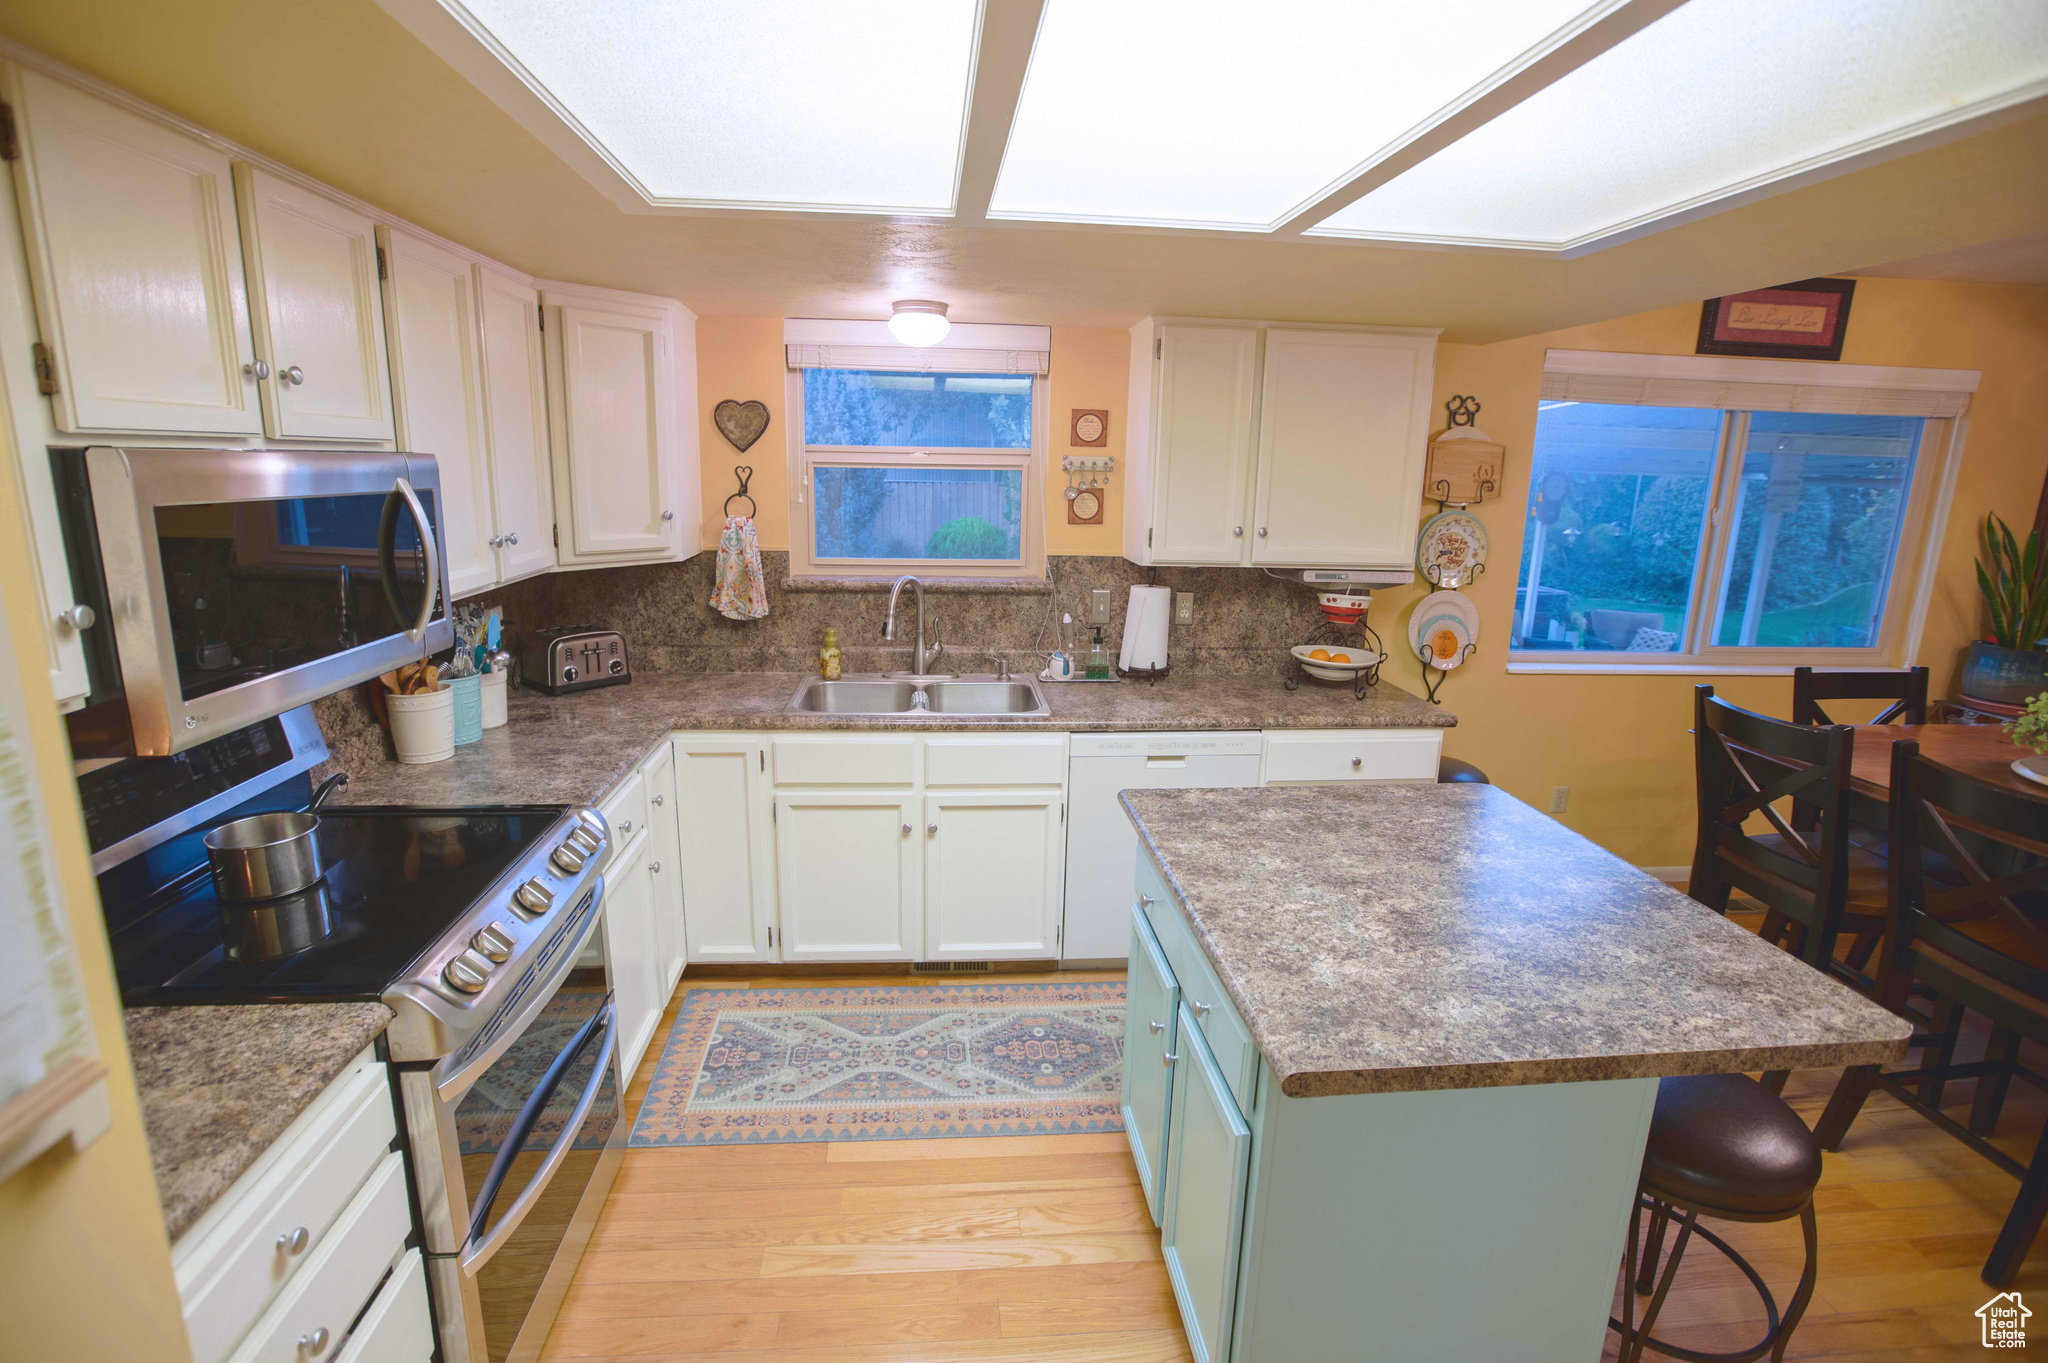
{"x": 1145, "y": 901}
{"x": 1169, "y": 1059}
{"x": 293, "y": 1241}
{"x": 314, "y": 1344}
{"x": 1357, "y": 762}
{"x": 1156, "y": 1027}
{"x": 1200, "y": 1010}
{"x": 625, "y": 827}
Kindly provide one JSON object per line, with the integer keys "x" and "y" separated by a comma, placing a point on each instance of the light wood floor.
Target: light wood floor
{"x": 1039, "y": 1249}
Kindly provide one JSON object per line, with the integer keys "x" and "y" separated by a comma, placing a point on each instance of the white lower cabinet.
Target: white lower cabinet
{"x": 725, "y": 813}
{"x": 848, "y": 874}
{"x": 992, "y": 874}
{"x": 664, "y": 866}
{"x": 309, "y": 1319}
{"x": 1339, "y": 756}
{"x": 397, "y": 1328}
{"x": 629, "y": 952}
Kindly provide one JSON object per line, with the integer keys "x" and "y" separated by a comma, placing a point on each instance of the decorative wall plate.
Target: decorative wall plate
{"x": 1451, "y": 548}
{"x": 1436, "y": 604}
{"x": 1444, "y": 641}
{"x": 741, "y": 423}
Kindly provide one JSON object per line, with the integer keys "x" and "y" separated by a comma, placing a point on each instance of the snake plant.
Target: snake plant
{"x": 2015, "y": 587}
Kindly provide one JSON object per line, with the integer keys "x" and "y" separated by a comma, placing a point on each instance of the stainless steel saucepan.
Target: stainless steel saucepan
{"x": 265, "y": 856}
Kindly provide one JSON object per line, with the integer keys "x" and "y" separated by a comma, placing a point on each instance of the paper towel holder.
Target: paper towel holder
{"x": 1151, "y": 674}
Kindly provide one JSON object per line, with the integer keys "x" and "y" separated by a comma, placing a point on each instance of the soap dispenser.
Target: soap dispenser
{"x": 828, "y": 656}
{"x": 1098, "y": 659}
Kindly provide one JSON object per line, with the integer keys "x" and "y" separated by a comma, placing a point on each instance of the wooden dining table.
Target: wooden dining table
{"x": 1979, "y": 750}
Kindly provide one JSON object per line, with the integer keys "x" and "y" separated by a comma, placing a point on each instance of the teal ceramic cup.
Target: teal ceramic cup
{"x": 469, "y": 709}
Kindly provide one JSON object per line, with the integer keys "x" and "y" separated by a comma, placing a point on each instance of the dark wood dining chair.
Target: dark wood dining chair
{"x": 1906, "y": 688}
{"x": 1812, "y": 883}
{"x": 1974, "y": 945}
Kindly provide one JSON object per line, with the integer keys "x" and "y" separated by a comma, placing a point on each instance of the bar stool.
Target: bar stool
{"x": 1720, "y": 1145}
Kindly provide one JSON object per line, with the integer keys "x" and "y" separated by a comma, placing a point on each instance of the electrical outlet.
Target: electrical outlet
{"x": 1559, "y": 797}
{"x": 1183, "y": 608}
{"x": 1098, "y": 606}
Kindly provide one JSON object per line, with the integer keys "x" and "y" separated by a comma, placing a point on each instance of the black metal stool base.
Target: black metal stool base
{"x": 1636, "y": 1278}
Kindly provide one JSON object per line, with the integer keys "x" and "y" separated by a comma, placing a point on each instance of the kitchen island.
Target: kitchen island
{"x": 1391, "y": 1054}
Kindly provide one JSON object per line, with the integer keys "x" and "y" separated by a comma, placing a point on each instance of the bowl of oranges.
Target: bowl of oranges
{"x": 1332, "y": 662}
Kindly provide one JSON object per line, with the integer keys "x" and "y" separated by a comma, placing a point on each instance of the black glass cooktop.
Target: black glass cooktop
{"x": 394, "y": 880}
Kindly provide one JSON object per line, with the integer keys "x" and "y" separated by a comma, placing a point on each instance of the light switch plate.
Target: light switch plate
{"x": 1098, "y": 606}
{"x": 1183, "y": 608}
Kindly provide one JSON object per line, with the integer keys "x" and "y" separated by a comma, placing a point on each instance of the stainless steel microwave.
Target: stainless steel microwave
{"x": 241, "y": 583}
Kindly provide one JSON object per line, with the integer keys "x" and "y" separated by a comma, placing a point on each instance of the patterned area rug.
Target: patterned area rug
{"x": 887, "y": 1062}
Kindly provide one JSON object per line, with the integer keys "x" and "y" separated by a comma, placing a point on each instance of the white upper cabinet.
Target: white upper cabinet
{"x": 618, "y": 477}
{"x": 136, "y": 267}
{"x": 1207, "y": 376}
{"x": 1276, "y": 446}
{"x": 317, "y": 311}
{"x": 1343, "y": 435}
{"x": 437, "y": 393}
{"x": 516, "y": 420}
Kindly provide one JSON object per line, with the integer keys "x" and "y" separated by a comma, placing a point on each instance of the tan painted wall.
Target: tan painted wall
{"x": 85, "y": 1271}
{"x": 1619, "y": 742}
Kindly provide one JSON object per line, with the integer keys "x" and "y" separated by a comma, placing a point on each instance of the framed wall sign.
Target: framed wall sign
{"x": 1085, "y": 507}
{"x": 1089, "y": 428}
{"x": 1802, "y": 321}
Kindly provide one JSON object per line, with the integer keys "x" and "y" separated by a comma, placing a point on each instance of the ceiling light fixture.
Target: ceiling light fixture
{"x": 918, "y": 321}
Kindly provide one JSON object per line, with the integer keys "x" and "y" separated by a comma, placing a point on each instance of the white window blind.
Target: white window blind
{"x": 971, "y": 348}
{"x": 1755, "y": 385}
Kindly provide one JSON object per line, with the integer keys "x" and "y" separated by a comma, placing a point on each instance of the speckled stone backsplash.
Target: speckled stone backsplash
{"x": 1244, "y": 620}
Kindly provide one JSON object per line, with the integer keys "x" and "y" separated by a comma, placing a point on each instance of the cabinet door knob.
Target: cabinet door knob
{"x": 80, "y": 617}
{"x": 668, "y": 515}
{"x": 1239, "y": 532}
{"x": 1262, "y": 532}
{"x": 1145, "y": 901}
{"x": 1155, "y": 1027}
{"x": 1169, "y": 1059}
{"x": 291, "y": 374}
{"x": 906, "y": 830}
{"x": 512, "y": 538}
{"x": 655, "y": 867}
{"x": 625, "y": 827}
{"x": 497, "y": 541}
{"x": 293, "y": 1241}
{"x": 258, "y": 370}
{"x": 1200, "y": 1010}
{"x": 314, "y": 1344}
{"x": 932, "y": 829}
{"x": 657, "y": 802}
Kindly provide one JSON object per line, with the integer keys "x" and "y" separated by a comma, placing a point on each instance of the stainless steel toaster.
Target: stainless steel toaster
{"x": 573, "y": 658}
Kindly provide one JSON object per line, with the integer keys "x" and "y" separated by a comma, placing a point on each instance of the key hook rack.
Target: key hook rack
{"x": 745, "y": 474}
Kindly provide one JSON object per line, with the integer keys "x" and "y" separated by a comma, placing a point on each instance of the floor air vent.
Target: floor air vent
{"x": 951, "y": 967}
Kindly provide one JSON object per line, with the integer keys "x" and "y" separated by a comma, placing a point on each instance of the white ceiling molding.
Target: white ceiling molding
{"x": 1009, "y": 29}
{"x": 454, "y": 31}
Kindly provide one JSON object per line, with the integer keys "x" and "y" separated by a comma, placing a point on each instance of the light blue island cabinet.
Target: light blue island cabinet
{"x": 1390, "y": 1056}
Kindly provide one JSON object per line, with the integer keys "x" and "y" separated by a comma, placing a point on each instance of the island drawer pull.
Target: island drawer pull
{"x": 1168, "y": 1059}
{"x": 1200, "y": 1010}
{"x": 1155, "y": 1027}
{"x": 1145, "y": 901}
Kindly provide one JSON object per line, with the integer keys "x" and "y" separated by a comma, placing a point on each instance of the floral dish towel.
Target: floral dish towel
{"x": 739, "y": 593}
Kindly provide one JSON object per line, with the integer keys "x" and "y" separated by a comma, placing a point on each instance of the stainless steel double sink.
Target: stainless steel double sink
{"x": 912, "y": 695}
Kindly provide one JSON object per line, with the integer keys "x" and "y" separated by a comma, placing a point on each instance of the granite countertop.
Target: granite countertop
{"x": 573, "y": 749}
{"x": 218, "y": 1085}
{"x": 1389, "y": 938}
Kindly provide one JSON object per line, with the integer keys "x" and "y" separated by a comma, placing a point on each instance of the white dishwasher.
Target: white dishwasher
{"x": 1102, "y": 847}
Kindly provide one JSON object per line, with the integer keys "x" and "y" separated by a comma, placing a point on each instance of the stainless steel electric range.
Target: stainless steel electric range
{"x": 468, "y": 924}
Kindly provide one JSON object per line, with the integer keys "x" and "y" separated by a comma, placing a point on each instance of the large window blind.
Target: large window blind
{"x": 1755, "y": 385}
{"x": 970, "y": 348}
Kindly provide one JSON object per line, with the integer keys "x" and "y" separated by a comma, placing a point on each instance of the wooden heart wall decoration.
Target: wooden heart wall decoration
{"x": 741, "y": 423}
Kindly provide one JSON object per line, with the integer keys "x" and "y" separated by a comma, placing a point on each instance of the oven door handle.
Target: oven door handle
{"x": 401, "y": 494}
{"x": 480, "y": 1247}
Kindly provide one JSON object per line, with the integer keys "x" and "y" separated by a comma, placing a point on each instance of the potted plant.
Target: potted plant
{"x": 2010, "y": 666}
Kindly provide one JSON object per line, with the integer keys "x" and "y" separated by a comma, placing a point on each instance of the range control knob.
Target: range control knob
{"x": 568, "y": 674}
{"x": 495, "y": 942}
{"x": 586, "y": 841}
{"x": 468, "y": 972}
{"x": 533, "y": 898}
{"x": 569, "y": 859}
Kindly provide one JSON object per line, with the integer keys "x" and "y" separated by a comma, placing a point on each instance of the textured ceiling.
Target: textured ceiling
{"x": 345, "y": 94}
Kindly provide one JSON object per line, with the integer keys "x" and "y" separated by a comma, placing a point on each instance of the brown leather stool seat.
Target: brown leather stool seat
{"x": 1725, "y": 1143}
{"x": 1720, "y": 1145}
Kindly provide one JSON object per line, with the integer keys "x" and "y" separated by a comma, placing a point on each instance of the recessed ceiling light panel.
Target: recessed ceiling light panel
{"x": 1717, "y": 102}
{"x": 1218, "y": 114}
{"x": 798, "y": 104}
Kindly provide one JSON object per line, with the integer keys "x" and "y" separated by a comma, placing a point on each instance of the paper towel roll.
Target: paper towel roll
{"x": 1145, "y": 622}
